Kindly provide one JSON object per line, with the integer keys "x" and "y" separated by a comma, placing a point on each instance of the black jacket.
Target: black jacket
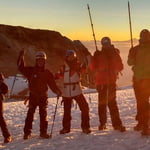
{"x": 39, "y": 79}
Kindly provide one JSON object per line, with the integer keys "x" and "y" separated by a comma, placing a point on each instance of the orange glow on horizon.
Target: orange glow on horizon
{"x": 113, "y": 37}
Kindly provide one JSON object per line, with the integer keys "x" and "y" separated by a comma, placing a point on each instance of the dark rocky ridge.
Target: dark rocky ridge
{"x": 15, "y": 38}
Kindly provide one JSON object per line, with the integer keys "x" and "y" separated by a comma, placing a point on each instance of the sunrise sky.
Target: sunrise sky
{"x": 70, "y": 17}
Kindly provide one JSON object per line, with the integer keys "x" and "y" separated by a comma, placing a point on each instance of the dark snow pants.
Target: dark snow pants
{"x": 83, "y": 105}
{"x": 142, "y": 94}
{"x": 3, "y": 125}
{"x": 107, "y": 96}
{"x": 33, "y": 103}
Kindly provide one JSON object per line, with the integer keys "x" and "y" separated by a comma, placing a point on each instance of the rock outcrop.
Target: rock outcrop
{"x": 15, "y": 38}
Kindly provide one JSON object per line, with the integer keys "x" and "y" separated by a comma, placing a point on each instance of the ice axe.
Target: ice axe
{"x": 15, "y": 77}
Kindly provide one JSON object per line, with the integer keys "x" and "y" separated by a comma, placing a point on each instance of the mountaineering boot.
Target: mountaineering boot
{"x": 146, "y": 132}
{"x": 86, "y": 130}
{"x": 44, "y": 135}
{"x": 64, "y": 131}
{"x": 26, "y": 136}
{"x": 8, "y": 139}
{"x": 120, "y": 128}
{"x": 102, "y": 127}
{"x": 138, "y": 127}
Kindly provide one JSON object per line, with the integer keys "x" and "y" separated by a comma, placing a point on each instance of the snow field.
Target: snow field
{"x": 15, "y": 114}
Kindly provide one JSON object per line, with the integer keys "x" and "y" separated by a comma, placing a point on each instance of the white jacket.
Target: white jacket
{"x": 72, "y": 85}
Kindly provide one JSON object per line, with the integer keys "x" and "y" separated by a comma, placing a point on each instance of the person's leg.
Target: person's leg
{"x": 3, "y": 125}
{"x": 83, "y": 105}
{"x": 102, "y": 105}
{"x": 145, "y": 115}
{"x": 67, "y": 115}
{"x": 113, "y": 108}
{"x": 43, "y": 117}
{"x": 28, "y": 121}
{"x": 137, "y": 92}
{"x": 145, "y": 106}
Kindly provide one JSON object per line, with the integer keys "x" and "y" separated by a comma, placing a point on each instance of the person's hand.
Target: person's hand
{"x": 96, "y": 53}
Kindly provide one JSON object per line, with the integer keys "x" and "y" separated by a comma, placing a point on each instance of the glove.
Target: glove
{"x": 96, "y": 53}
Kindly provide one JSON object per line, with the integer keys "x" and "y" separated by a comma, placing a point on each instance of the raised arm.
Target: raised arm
{"x": 26, "y": 71}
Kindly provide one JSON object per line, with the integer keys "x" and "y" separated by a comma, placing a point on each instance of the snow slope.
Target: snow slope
{"x": 15, "y": 113}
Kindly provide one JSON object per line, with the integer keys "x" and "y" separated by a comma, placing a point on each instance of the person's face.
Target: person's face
{"x": 145, "y": 37}
{"x": 71, "y": 58}
{"x": 40, "y": 62}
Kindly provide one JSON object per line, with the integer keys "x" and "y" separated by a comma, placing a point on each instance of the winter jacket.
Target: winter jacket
{"x": 71, "y": 78}
{"x": 106, "y": 64}
{"x": 39, "y": 79}
{"x": 139, "y": 59}
{"x": 3, "y": 90}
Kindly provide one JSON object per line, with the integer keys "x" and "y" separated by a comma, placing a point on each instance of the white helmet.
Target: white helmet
{"x": 41, "y": 55}
{"x": 70, "y": 53}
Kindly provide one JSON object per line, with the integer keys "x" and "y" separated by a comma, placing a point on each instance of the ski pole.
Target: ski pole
{"x": 87, "y": 77}
{"x": 13, "y": 85}
{"x": 92, "y": 26}
{"x": 54, "y": 117}
{"x": 130, "y": 24}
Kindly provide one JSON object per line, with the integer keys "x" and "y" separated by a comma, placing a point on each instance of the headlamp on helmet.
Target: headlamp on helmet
{"x": 105, "y": 41}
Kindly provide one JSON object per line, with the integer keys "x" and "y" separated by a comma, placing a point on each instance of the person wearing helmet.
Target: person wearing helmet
{"x": 139, "y": 59}
{"x": 105, "y": 41}
{"x": 107, "y": 64}
{"x": 40, "y": 59}
{"x": 3, "y": 125}
{"x": 39, "y": 79}
{"x": 70, "y": 72}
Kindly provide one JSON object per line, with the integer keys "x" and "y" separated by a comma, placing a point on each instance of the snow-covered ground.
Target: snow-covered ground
{"x": 15, "y": 113}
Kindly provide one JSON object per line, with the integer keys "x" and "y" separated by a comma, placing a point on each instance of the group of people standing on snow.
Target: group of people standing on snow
{"x": 107, "y": 65}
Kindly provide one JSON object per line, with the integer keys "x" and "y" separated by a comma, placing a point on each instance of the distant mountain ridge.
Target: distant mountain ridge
{"x": 127, "y": 41}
